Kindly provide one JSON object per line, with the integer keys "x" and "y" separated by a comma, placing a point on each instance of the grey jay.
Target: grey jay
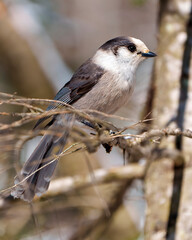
{"x": 103, "y": 83}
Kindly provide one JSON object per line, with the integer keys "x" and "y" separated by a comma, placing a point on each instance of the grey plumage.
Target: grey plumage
{"x": 38, "y": 181}
{"x": 103, "y": 83}
{"x": 105, "y": 101}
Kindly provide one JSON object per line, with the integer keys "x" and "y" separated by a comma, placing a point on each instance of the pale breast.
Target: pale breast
{"x": 108, "y": 95}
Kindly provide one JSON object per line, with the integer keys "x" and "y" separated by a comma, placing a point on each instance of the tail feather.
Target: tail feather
{"x": 48, "y": 168}
{"x": 37, "y": 181}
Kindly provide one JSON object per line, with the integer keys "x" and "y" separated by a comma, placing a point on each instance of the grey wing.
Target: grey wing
{"x": 82, "y": 82}
{"x": 64, "y": 96}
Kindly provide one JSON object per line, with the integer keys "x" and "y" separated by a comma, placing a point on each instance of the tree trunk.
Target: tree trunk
{"x": 168, "y": 213}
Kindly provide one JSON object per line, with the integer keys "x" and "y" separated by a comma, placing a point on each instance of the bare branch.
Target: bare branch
{"x": 159, "y": 133}
{"x": 79, "y": 135}
{"x": 101, "y": 176}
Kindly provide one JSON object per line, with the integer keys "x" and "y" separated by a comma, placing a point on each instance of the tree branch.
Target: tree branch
{"x": 101, "y": 176}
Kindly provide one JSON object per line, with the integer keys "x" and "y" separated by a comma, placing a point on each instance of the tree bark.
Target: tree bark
{"x": 166, "y": 213}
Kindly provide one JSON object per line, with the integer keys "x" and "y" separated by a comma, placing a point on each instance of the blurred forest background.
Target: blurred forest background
{"x": 41, "y": 44}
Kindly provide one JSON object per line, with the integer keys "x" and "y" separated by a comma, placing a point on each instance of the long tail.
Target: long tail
{"x": 37, "y": 181}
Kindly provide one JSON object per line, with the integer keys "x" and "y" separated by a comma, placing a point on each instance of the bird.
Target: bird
{"x": 104, "y": 83}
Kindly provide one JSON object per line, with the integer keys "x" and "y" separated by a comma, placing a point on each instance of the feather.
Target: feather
{"x": 83, "y": 80}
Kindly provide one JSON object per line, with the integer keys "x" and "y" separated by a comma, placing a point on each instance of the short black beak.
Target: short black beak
{"x": 149, "y": 54}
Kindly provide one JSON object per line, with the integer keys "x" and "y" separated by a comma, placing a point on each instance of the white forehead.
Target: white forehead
{"x": 140, "y": 45}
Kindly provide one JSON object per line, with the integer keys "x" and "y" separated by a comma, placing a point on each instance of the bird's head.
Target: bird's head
{"x": 121, "y": 52}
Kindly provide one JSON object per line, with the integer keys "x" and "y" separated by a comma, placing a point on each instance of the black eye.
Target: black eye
{"x": 132, "y": 48}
